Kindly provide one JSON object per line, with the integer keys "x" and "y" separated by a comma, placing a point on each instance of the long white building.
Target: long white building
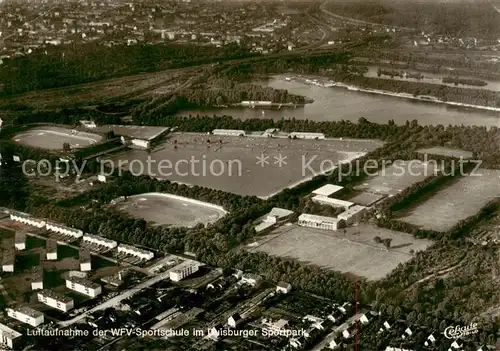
{"x": 320, "y": 222}
{"x": 9, "y": 336}
{"x": 56, "y": 300}
{"x": 325, "y": 200}
{"x": 229, "y": 132}
{"x": 134, "y": 251}
{"x": 26, "y": 315}
{"x": 183, "y": 270}
{"x": 83, "y": 286}
{"x": 306, "y": 135}
{"x": 27, "y": 219}
{"x": 353, "y": 214}
{"x": 99, "y": 240}
{"x": 61, "y": 229}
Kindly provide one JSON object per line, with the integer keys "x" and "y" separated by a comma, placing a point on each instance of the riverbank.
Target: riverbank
{"x": 328, "y": 84}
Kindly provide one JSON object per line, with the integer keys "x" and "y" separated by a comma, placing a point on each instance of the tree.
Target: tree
{"x": 387, "y": 243}
{"x": 66, "y": 147}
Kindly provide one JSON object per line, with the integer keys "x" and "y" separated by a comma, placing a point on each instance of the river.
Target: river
{"x": 333, "y": 104}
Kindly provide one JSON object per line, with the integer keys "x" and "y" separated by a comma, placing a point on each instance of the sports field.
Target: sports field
{"x": 354, "y": 252}
{"x": 394, "y": 178}
{"x": 53, "y": 138}
{"x": 167, "y": 209}
{"x": 242, "y": 165}
{"x": 462, "y": 199}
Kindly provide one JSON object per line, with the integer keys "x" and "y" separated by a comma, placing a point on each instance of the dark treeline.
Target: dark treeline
{"x": 70, "y": 65}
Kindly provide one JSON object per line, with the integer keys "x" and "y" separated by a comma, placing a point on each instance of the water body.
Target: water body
{"x": 333, "y": 104}
{"x": 434, "y": 78}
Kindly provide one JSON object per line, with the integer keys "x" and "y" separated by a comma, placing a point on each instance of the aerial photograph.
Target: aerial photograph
{"x": 250, "y": 175}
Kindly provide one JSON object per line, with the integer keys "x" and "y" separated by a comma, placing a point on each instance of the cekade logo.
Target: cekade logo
{"x": 456, "y": 332}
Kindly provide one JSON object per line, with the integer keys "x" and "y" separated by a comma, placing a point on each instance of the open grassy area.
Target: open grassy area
{"x": 394, "y": 178}
{"x": 463, "y": 198}
{"x": 354, "y": 252}
{"x": 53, "y": 138}
{"x": 165, "y": 209}
{"x": 231, "y": 163}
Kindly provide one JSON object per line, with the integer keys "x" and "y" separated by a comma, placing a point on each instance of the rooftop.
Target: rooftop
{"x": 37, "y": 274}
{"x": 138, "y": 132}
{"x": 280, "y": 212}
{"x": 136, "y": 249}
{"x": 332, "y": 201}
{"x": 327, "y": 190}
{"x": 84, "y": 282}
{"x": 28, "y": 311}
{"x": 100, "y": 238}
{"x": 84, "y": 256}
{"x": 55, "y": 295}
{"x": 184, "y": 265}
{"x": 316, "y": 218}
{"x": 352, "y": 211}
{"x": 51, "y": 245}
{"x": 20, "y": 237}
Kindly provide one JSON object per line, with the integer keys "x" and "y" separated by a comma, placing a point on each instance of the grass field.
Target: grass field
{"x": 53, "y": 138}
{"x": 354, "y": 252}
{"x": 462, "y": 199}
{"x": 230, "y": 163}
{"x": 165, "y": 209}
{"x": 396, "y": 177}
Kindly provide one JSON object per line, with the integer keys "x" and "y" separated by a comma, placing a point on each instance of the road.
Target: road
{"x": 337, "y": 330}
{"x": 117, "y": 299}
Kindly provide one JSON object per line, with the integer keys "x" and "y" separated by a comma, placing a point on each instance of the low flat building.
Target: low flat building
{"x": 8, "y": 259}
{"x": 229, "y": 132}
{"x": 319, "y": 222}
{"x": 9, "y": 337}
{"x": 306, "y": 135}
{"x": 51, "y": 250}
{"x": 37, "y": 278}
{"x": 353, "y": 214}
{"x": 56, "y": 300}
{"x": 325, "y": 200}
{"x": 26, "y": 315}
{"x": 85, "y": 260}
{"x": 183, "y": 270}
{"x": 20, "y": 240}
{"x": 83, "y": 286}
{"x": 135, "y": 251}
{"x": 327, "y": 190}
